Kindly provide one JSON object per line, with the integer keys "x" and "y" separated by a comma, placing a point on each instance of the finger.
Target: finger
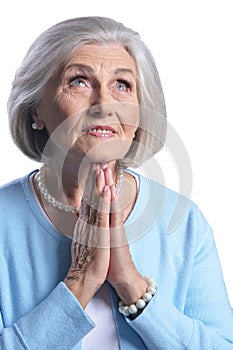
{"x": 90, "y": 196}
{"x": 100, "y": 180}
{"x": 94, "y": 230}
{"x": 97, "y": 187}
{"x": 116, "y": 208}
{"x": 109, "y": 180}
{"x": 117, "y": 231}
{"x": 89, "y": 185}
{"x": 88, "y": 211}
{"x": 102, "y": 228}
{"x": 104, "y": 208}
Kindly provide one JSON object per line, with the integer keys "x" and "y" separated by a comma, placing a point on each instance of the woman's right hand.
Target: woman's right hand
{"x": 91, "y": 242}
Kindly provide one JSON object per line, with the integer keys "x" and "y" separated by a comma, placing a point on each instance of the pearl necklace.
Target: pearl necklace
{"x": 61, "y": 206}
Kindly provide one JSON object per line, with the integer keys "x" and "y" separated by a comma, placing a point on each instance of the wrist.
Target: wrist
{"x": 131, "y": 289}
{"x": 135, "y": 308}
{"x": 81, "y": 289}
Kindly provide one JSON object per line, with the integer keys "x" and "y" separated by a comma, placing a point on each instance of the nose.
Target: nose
{"x": 101, "y": 110}
{"x": 101, "y": 105}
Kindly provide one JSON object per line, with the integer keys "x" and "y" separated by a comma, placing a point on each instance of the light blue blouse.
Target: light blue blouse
{"x": 169, "y": 240}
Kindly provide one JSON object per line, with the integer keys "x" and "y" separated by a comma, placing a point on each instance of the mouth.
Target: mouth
{"x": 102, "y": 131}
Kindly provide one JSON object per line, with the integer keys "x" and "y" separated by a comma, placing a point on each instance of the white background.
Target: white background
{"x": 192, "y": 45}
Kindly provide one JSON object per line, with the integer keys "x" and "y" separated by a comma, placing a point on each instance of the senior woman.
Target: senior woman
{"x": 85, "y": 258}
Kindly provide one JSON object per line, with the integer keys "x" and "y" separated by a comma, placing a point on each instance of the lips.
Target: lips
{"x": 102, "y": 131}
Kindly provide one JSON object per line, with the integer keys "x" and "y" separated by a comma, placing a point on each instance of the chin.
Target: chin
{"x": 105, "y": 153}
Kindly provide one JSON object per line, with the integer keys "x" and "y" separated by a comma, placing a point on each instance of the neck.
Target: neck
{"x": 62, "y": 219}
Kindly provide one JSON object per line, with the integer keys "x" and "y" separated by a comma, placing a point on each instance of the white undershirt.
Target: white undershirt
{"x": 104, "y": 335}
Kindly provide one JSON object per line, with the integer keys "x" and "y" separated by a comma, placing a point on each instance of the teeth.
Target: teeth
{"x": 104, "y": 131}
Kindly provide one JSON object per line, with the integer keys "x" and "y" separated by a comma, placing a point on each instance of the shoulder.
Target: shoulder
{"x": 169, "y": 211}
{"x": 9, "y": 192}
{"x": 15, "y": 211}
{"x": 13, "y": 193}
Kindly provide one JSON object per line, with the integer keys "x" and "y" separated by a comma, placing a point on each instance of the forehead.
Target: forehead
{"x": 110, "y": 57}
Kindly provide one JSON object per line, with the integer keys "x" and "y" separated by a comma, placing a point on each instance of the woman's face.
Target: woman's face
{"x": 90, "y": 105}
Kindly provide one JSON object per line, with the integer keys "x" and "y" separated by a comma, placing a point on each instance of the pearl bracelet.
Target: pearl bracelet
{"x": 132, "y": 309}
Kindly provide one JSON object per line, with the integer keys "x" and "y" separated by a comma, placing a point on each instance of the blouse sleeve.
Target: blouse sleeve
{"x": 59, "y": 322}
{"x": 206, "y": 322}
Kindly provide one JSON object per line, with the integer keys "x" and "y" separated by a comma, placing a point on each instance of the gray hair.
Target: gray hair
{"x": 51, "y": 49}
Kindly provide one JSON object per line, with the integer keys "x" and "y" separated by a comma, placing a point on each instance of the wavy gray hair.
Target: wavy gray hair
{"x": 51, "y": 49}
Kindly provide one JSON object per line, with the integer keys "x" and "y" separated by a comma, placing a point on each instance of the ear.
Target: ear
{"x": 38, "y": 121}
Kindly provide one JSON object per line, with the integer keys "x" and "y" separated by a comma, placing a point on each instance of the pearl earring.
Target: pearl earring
{"x": 34, "y": 126}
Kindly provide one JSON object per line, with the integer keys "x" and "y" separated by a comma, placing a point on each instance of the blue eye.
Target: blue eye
{"x": 123, "y": 85}
{"x": 77, "y": 81}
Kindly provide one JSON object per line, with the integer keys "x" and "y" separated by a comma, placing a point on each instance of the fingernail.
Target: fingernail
{"x": 105, "y": 189}
{"x": 104, "y": 166}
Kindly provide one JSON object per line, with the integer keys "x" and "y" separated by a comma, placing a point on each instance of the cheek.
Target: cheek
{"x": 63, "y": 122}
{"x": 66, "y": 105}
{"x": 130, "y": 120}
{"x": 63, "y": 105}
{"x": 75, "y": 101}
{"x": 66, "y": 133}
{"x": 130, "y": 131}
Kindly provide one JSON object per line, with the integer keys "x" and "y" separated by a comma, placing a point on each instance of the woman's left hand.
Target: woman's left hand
{"x": 122, "y": 272}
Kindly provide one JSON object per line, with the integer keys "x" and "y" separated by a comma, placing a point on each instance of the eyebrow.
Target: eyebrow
{"x": 123, "y": 70}
{"x": 91, "y": 70}
{"x": 80, "y": 66}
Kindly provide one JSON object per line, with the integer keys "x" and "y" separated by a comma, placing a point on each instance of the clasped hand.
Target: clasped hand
{"x": 99, "y": 249}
